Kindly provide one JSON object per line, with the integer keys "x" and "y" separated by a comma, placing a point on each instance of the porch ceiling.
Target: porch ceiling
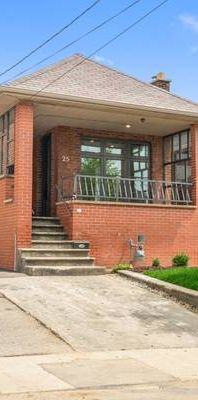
{"x": 108, "y": 118}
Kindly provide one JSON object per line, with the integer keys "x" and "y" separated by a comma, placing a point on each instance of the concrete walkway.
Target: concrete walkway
{"x": 121, "y": 340}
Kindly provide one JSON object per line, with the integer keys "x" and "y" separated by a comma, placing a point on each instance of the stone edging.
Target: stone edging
{"x": 181, "y": 294}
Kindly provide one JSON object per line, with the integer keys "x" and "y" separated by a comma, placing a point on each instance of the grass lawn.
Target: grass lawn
{"x": 186, "y": 277}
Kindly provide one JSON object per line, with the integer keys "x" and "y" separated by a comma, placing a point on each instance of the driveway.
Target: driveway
{"x": 104, "y": 313}
{"x": 119, "y": 339}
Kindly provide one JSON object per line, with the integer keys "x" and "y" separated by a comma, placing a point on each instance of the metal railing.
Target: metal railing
{"x": 103, "y": 188}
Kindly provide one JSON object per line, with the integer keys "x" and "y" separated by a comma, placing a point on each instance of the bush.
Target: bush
{"x": 119, "y": 267}
{"x": 180, "y": 260}
{"x": 156, "y": 263}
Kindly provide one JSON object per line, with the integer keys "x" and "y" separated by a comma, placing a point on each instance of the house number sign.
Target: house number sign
{"x": 65, "y": 159}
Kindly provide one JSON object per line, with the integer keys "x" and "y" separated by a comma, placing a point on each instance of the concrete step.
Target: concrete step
{"x": 57, "y": 261}
{"x": 47, "y": 228}
{"x": 34, "y": 252}
{"x": 58, "y": 244}
{"x": 37, "y": 270}
{"x": 49, "y": 236}
{"x": 45, "y": 220}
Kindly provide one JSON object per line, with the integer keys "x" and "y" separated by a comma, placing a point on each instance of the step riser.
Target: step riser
{"x": 49, "y": 229}
{"x": 52, "y": 246}
{"x": 67, "y": 262}
{"x": 75, "y": 271}
{"x": 55, "y": 253}
{"x": 48, "y": 237}
{"x": 40, "y": 222}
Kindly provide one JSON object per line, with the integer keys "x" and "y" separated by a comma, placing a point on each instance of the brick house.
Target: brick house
{"x": 108, "y": 155}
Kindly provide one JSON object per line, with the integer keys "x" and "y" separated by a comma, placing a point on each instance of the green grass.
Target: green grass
{"x": 186, "y": 277}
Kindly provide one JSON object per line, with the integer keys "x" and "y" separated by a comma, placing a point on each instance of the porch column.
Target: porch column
{"x": 23, "y": 173}
{"x": 194, "y": 163}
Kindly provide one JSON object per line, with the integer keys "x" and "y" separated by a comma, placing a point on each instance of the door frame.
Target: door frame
{"x": 46, "y": 175}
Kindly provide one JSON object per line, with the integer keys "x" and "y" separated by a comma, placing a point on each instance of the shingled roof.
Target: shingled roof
{"x": 93, "y": 80}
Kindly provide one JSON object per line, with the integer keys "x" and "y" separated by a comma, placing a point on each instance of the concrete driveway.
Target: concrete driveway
{"x": 121, "y": 339}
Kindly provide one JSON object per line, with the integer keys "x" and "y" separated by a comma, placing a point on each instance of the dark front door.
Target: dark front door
{"x": 46, "y": 175}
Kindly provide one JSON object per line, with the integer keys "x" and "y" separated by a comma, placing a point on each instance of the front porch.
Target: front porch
{"x": 106, "y": 185}
{"x": 110, "y": 185}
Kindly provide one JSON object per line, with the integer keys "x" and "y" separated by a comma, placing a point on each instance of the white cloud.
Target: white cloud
{"x": 190, "y": 21}
{"x": 103, "y": 60}
{"x": 194, "y": 49}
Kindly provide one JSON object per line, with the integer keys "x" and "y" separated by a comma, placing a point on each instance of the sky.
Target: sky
{"x": 166, "y": 41}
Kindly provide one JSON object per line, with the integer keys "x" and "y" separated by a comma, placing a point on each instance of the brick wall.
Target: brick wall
{"x": 7, "y": 223}
{"x": 16, "y": 191}
{"x": 23, "y": 173}
{"x": 167, "y": 230}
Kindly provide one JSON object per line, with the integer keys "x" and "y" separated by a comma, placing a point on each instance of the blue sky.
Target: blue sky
{"x": 166, "y": 41}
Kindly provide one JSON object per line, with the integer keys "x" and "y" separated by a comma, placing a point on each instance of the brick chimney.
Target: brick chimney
{"x": 160, "y": 81}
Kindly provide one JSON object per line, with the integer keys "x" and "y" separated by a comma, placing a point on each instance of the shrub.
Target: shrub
{"x": 122, "y": 267}
{"x": 156, "y": 263}
{"x": 180, "y": 260}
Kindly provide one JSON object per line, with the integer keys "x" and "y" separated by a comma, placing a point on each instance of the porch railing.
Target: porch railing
{"x": 103, "y": 188}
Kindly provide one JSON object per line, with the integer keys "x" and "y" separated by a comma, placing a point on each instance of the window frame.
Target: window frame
{"x": 6, "y": 167}
{"x": 126, "y": 156}
{"x": 172, "y": 162}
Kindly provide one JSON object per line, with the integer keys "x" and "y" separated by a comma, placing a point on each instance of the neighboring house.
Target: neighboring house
{"x": 112, "y": 157}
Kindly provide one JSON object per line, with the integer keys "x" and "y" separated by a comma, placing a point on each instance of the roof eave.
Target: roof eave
{"x": 54, "y": 98}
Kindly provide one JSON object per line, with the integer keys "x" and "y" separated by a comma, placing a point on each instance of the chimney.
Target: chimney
{"x": 160, "y": 81}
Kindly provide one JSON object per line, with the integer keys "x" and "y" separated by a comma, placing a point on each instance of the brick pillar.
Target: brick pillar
{"x": 23, "y": 173}
{"x": 194, "y": 163}
{"x": 157, "y": 159}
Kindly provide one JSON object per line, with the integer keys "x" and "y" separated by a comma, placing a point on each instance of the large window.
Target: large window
{"x": 7, "y": 143}
{"x": 177, "y": 151}
{"x": 113, "y": 158}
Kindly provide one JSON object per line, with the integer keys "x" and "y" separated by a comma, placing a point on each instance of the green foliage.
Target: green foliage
{"x": 119, "y": 267}
{"x": 180, "y": 260}
{"x": 186, "y": 277}
{"x": 90, "y": 166}
{"x": 156, "y": 263}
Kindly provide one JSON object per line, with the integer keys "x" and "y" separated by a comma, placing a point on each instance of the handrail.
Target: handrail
{"x": 103, "y": 188}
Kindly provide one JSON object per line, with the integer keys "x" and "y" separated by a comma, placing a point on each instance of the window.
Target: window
{"x": 115, "y": 158}
{"x": 177, "y": 150}
{"x": 7, "y": 143}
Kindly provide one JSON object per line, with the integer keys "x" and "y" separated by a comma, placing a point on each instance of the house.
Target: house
{"x": 110, "y": 156}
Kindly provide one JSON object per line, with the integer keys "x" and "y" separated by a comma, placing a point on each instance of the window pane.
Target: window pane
{"x": 180, "y": 172}
{"x": 135, "y": 150}
{"x": 140, "y": 170}
{"x": 184, "y": 145}
{"x": 144, "y": 150}
{"x": 90, "y": 166}
{"x": 167, "y": 149}
{"x": 176, "y": 155}
{"x": 92, "y": 146}
{"x": 140, "y": 150}
{"x": 11, "y": 125}
{"x": 6, "y": 123}
{"x": 188, "y": 172}
{"x": 113, "y": 149}
{"x": 113, "y": 167}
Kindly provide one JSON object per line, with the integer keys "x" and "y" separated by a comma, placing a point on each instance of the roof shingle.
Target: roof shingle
{"x": 99, "y": 82}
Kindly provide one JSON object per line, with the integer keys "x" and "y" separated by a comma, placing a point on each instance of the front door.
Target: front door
{"x": 46, "y": 175}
